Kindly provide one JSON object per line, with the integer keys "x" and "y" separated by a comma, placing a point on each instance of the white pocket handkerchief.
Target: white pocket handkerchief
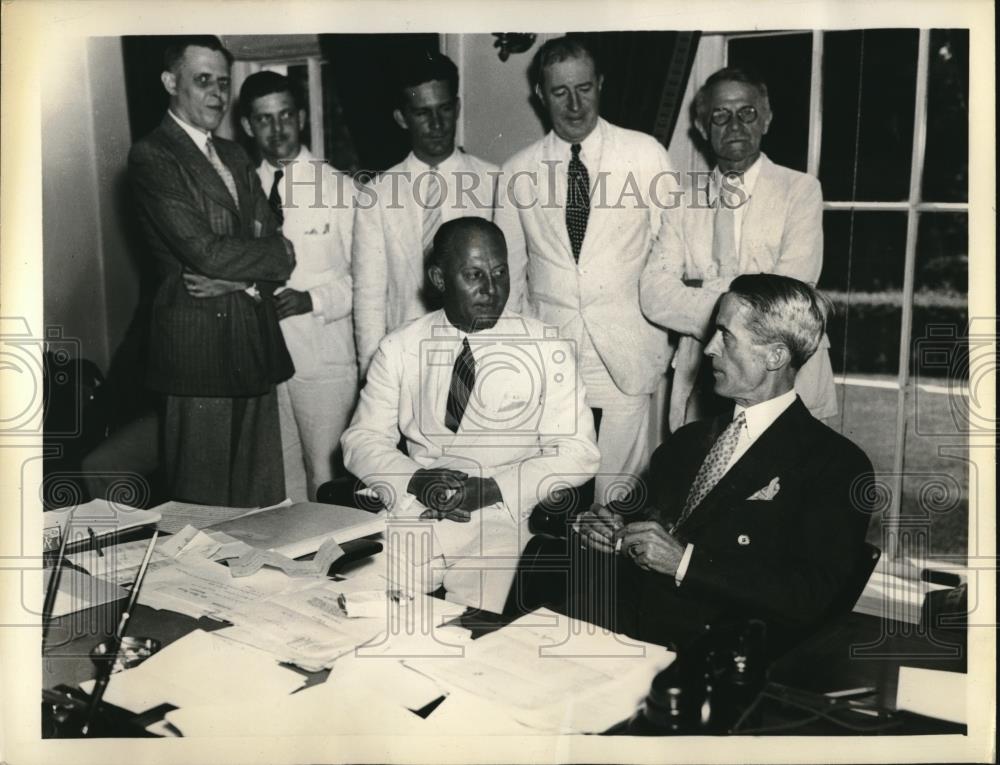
{"x": 769, "y": 492}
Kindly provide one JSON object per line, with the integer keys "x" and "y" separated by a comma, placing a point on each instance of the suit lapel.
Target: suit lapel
{"x": 552, "y": 208}
{"x": 769, "y": 456}
{"x": 207, "y": 178}
{"x": 762, "y": 202}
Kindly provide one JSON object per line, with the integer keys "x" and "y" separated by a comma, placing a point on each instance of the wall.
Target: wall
{"x": 497, "y": 117}
{"x": 91, "y": 282}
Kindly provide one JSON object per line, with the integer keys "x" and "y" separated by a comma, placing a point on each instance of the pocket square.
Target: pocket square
{"x": 769, "y": 492}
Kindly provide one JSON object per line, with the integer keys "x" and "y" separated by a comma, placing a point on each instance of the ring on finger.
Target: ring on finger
{"x": 633, "y": 550}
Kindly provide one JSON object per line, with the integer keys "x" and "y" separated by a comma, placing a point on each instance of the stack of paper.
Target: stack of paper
{"x": 174, "y": 516}
{"x": 553, "y": 673}
{"x": 200, "y": 669}
{"x": 306, "y": 627}
{"x": 92, "y": 521}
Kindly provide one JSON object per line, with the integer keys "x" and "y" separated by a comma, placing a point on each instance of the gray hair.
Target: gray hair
{"x": 727, "y": 74}
{"x": 783, "y": 310}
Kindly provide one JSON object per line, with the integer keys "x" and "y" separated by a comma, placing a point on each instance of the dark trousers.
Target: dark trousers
{"x": 223, "y": 451}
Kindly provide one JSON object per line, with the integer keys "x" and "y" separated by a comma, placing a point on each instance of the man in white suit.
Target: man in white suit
{"x": 769, "y": 220}
{"x": 490, "y": 407}
{"x": 580, "y": 209}
{"x": 399, "y": 213}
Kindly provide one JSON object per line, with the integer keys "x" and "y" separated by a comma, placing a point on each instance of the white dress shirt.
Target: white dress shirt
{"x": 199, "y": 136}
{"x": 759, "y": 418}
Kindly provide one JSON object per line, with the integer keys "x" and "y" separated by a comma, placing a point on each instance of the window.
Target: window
{"x": 886, "y": 131}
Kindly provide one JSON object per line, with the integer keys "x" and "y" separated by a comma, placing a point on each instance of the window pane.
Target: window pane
{"x": 863, "y": 275}
{"x": 784, "y": 62}
{"x": 340, "y": 150}
{"x": 946, "y": 165}
{"x": 867, "y": 157}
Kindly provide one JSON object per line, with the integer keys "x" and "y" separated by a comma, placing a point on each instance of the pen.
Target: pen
{"x": 94, "y": 543}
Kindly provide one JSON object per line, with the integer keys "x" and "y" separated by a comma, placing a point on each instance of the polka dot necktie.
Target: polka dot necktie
{"x": 463, "y": 381}
{"x": 713, "y": 468}
{"x": 221, "y": 169}
{"x": 274, "y": 198}
{"x": 577, "y": 201}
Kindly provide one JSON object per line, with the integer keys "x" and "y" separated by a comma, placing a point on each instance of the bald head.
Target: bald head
{"x": 468, "y": 266}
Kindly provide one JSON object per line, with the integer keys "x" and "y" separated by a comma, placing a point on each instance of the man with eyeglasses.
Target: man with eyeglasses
{"x": 751, "y": 216}
{"x": 216, "y": 358}
{"x": 314, "y": 203}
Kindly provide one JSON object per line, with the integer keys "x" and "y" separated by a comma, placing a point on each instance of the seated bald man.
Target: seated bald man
{"x": 760, "y": 513}
{"x": 491, "y": 409}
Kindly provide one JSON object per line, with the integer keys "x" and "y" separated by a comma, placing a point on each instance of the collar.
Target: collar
{"x": 266, "y": 170}
{"x": 761, "y": 416}
{"x": 509, "y": 324}
{"x": 199, "y": 136}
{"x": 590, "y": 147}
{"x": 416, "y": 166}
{"x": 747, "y": 179}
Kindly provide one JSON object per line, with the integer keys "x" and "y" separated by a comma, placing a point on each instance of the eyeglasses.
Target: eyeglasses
{"x": 746, "y": 115}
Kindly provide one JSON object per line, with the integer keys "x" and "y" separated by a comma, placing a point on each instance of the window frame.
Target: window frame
{"x": 913, "y": 206}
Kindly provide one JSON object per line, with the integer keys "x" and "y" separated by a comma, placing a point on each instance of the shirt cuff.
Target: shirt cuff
{"x": 317, "y": 302}
{"x": 682, "y": 567}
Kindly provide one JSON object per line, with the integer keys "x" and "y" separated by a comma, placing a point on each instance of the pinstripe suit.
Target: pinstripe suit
{"x": 216, "y": 359}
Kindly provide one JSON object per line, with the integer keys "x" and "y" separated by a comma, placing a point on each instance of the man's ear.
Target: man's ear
{"x": 302, "y": 119}
{"x": 700, "y": 128}
{"x": 767, "y": 122}
{"x": 600, "y": 82}
{"x": 778, "y": 356}
{"x": 246, "y": 127}
{"x": 436, "y": 276}
{"x": 169, "y": 80}
{"x": 398, "y": 116}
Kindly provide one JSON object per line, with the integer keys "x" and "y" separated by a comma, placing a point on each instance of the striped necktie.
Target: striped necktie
{"x": 432, "y": 210}
{"x": 713, "y": 468}
{"x": 577, "y": 200}
{"x": 221, "y": 169}
{"x": 463, "y": 381}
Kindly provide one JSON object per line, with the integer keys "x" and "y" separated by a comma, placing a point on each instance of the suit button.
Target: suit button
{"x": 743, "y": 540}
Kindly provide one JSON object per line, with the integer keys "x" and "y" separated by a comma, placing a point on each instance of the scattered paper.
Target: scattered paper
{"x": 252, "y": 560}
{"x": 933, "y": 693}
{"x": 78, "y": 591}
{"x": 198, "y": 669}
{"x": 305, "y": 627}
{"x": 554, "y": 673}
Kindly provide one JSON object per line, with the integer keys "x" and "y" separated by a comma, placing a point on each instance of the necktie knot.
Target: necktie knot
{"x": 575, "y": 150}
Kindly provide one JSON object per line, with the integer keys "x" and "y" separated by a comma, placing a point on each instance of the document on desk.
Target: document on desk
{"x": 550, "y": 681}
{"x": 933, "y": 693}
{"x": 200, "y": 669}
{"x": 92, "y": 521}
{"x": 362, "y": 706}
{"x": 198, "y": 587}
{"x": 305, "y": 627}
{"x": 78, "y": 591}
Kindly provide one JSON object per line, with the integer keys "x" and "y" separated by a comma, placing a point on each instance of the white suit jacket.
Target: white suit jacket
{"x": 388, "y": 258}
{"x": 600, "y": 294}
{"x": 527, "y": 427}
{"x": 782, "y": 233}
{"x": 321, "y": 343}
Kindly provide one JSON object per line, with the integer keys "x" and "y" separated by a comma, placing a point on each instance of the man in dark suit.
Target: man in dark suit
{"x": 761, "y": 513}
{"x": 216, "y": 354}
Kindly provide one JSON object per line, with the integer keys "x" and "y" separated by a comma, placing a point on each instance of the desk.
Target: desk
{"x": 861, "y": 651}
